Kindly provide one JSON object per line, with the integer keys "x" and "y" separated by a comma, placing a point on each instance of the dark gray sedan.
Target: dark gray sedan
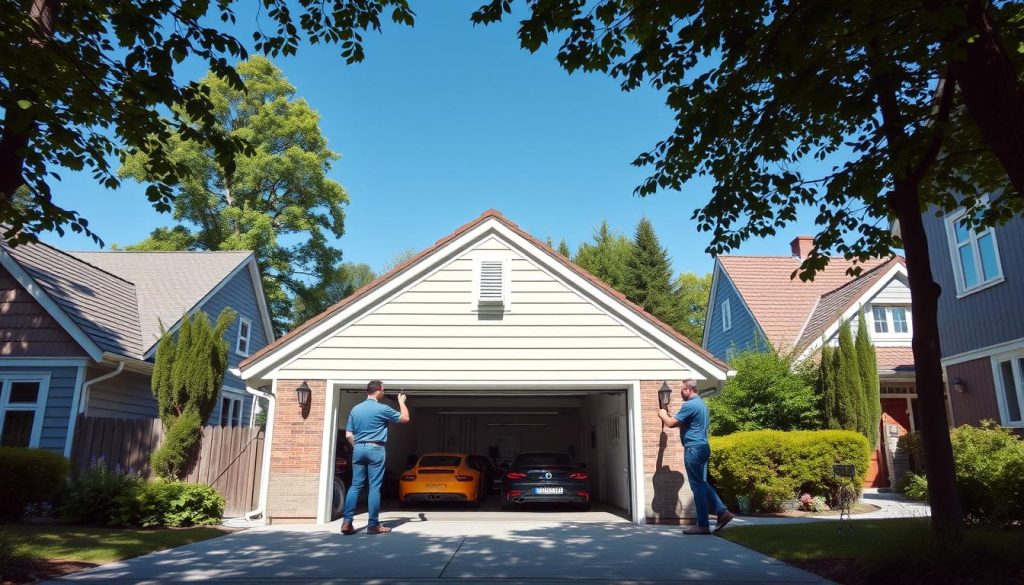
{"x": 545, "y": 478}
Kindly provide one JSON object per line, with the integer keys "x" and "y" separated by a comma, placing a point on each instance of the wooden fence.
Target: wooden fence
{"x": 229, "y": 458}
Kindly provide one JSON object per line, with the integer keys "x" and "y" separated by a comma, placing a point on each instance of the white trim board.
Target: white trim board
{"x": 983, "y": 352}
{"x": 50, "y": 306}
{"x": 679, "y": 351}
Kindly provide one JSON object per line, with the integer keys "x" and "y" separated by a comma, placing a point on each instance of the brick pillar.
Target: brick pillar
{"x": 669, "y": 500}
{"x": 295, "y": 453}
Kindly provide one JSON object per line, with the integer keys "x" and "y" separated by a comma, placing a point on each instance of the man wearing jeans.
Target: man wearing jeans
{"x": 367, "y": 431}
{"x": 692, "y": 420}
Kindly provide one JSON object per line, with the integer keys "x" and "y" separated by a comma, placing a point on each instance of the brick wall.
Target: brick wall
{"x": 295, "y": 453}
{"x": 669, "y": 500}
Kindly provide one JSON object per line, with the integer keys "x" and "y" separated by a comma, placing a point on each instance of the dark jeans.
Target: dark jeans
{"x": 695, "y": 459}
{"x": 367, "y": 464}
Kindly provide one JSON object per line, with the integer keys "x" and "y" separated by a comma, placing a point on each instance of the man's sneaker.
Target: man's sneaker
{"x": 346, "y": 528}
{"x": 697, "y": 530}
{"x": 723, "y": 519}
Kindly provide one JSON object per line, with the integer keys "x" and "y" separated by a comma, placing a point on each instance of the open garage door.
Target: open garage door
{"x": 591, "y": 426}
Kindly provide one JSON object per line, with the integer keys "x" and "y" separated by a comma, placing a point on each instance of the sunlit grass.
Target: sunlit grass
{"x": 96, "y": 545}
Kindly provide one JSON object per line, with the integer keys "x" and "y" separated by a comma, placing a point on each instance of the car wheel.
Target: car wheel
{"x": 338, "y": 501}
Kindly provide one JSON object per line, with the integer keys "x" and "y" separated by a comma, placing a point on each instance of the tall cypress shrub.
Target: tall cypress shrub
{"x": 848, "y": 382}
{"x": 827, "y": 388}
{"x": 868, "y": 362}
{"x": 187, "y": 377}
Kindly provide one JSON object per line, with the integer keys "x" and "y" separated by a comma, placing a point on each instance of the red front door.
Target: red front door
{"x": 894, "y": 415}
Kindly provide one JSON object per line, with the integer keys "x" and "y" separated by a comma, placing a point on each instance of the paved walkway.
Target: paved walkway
{"x": 423, "y": 551}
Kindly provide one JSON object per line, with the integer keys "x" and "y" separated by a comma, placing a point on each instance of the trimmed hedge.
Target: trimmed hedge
{"x": 28, "y": 476}
{"x": 169, "y": 503}
{"x": 771, "y": 467}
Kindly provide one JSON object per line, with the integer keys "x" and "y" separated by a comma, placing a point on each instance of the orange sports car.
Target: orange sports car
{"x": 441, "y": 477}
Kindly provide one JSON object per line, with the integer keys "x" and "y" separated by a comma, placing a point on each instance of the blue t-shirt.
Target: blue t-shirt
{"x": 693, "y": 415}
{"x": 369, "y": 420}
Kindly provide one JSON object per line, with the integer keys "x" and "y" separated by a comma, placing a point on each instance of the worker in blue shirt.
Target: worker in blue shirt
{"x": 692, "y": 421}
{"x": 367, "y": 431}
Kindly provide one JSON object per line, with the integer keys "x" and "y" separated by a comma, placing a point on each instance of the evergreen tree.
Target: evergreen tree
{"x": 827, "y": 388}
{"x": 868, "y": 362}
{"x": 563, "y": 249}
{"x": 607, "y": 257}
{"x": 848, "y": 382}
{"x": 649, "y": 275}
{"x": 187, "y": 378}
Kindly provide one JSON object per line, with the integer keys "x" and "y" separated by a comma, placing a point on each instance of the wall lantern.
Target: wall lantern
{"x": 664, "y": 394}
{"x": 302, "y": 393}
{"x": 959, "y": 386}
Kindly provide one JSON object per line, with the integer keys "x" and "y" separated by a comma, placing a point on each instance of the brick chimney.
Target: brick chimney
{"x": 801, "y": 246}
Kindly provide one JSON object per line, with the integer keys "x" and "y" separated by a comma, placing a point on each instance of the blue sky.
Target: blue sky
{"x": 444, "y": 121}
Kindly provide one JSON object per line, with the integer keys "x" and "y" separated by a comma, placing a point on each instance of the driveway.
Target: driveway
{"x": 426, "y": 550}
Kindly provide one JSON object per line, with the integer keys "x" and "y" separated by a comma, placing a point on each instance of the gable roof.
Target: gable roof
{"x": 167, "y": 284}
{"x": 491, "y": 215}
{"x": 791, "y": 312}
{"x": 118, "y": 298}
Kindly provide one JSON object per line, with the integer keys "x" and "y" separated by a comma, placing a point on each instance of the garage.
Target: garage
{"x": 504, "y": 347}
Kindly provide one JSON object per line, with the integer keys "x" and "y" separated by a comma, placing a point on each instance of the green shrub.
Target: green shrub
{"x": 184, "y": 434}
{"x": 914, "y": 486}
{"x": 93, "y": 496}
{"x": 771, "y": 467}
{"x": 28, "y": 476}
{"x": 989, "y": 473}
{"x": 911, "y": 444}
{"x": 170, "y": 503}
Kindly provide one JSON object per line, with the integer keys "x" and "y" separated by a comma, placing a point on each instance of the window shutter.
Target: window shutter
{"x": 492, "y": 282}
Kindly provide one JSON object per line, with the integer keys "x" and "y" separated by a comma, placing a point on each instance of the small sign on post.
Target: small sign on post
{"x": 846, "y": 493}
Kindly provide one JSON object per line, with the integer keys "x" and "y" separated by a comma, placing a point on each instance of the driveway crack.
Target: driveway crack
{"x": 457, "y": 549}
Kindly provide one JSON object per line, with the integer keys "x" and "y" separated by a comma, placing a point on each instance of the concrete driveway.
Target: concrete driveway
{"x": 426, "y": 550}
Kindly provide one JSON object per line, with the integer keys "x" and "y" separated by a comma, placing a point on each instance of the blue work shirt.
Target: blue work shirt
{"x": 693, "y": 416}
{"x": 369, "y": 420}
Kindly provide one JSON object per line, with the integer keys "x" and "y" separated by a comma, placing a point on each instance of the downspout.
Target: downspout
{"x": 84, "y": 403}
{"x": 261, "y": 508}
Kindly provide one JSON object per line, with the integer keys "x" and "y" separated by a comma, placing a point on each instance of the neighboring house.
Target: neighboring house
{"x": 78, "y": 333}
{"x": 503, "y": 346}
{"x": 980, "y": 325}
{"x": 755, "y": 303}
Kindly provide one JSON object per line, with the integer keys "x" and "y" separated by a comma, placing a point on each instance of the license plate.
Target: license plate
{"x": 436, "y": 486}
{"x": 549, "y": 490}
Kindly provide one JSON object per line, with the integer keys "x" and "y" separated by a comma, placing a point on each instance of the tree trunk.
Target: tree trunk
{"x": 991, "y": 91}
{"x": 947, "y": 516}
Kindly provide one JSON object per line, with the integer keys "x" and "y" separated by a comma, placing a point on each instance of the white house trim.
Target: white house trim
{"x": 51, "y": 307}
{"x": 864, "y": 299}
{"x": 38, "y": 408}
{"x": 983, "y": 352}
{"x": 69, "y": 441}
{"x": 613, "y": 306}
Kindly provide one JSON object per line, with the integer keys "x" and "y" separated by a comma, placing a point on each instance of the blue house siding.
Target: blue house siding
{"x": 58, "y": 402}
{"x": 239, "y": 294}
{"x": 986, "y": 317}
{"x": 126, "y": 395}
{"x": 743, "y": 334}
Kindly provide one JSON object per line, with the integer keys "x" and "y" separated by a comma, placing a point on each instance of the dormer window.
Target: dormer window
{"x": 891, "y": 321}
{"x": 244, "y": 334}
{"x": 491, "y": 282}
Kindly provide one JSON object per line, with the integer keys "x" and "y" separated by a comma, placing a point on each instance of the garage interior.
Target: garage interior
{"x": 590, "y": 426}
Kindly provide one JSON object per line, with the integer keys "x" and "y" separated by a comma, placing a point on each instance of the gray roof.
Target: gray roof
{"x": 120, "y": 298}
{"x": 167, "y": 284}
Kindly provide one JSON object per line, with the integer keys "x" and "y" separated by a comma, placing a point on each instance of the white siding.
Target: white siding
{"x": 894, "y": 293}
{"x": 432, "y": 331}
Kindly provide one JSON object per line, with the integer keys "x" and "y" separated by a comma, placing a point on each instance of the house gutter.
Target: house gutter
{"x": 260, "y": 511}
{"x": 84, "y": 402}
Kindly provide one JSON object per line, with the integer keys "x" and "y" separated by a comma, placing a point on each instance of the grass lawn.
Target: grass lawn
{"x": 40, "y": 550}
{"x": 897, "y": 551}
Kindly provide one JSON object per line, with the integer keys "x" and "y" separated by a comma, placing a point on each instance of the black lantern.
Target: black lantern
{"x": 664, "y": 394}
{"x": 303, "y": 393}
{"x": 959, "y": 385}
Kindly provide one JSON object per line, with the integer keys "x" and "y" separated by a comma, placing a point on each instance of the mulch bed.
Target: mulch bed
{"x": 19, "y": 571}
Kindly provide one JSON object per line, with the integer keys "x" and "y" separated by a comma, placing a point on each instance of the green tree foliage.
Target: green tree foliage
{"x": 828, "y": 393}
{"x": 187, "y": 377}
{"x": 279, "y": 189}
{"x": 338, "y": 284}
{"x": 563, "y": 249}
{"x": 849, "y": 387}
{"x": 692, "y": 292}
{"x": 769, "y": 391}
{"x": 399, "y": 259}
{"x": 607, "y": 257}
{"x": 82, "y": 81}
{"x": 649, "y": 275}
{"x": 868, "y": 363}
{"x": 876, "y": 89}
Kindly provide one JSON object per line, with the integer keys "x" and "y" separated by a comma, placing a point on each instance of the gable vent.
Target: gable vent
{"x": 492, "y": 282}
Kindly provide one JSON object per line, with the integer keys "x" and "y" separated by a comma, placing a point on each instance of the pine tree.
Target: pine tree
{"x": 868, "y": 362}
{"x": 607, "y": 257}
{"x": 563, "y": 249}
{"x": 649, "y": 275}
{"x": 848, "y": 381}
{"x": 187, "y": 378}
{"x": 827, "y": 385}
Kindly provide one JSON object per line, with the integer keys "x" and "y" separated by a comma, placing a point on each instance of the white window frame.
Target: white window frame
{"x": 235, "y": 407}
{"x": 726, "y": 310}
{"x": 39, "y": 408}
{"x": 962, "y": 289}
{"x": 1014, "y": 358}
{"x": 247, "y": 337}
{"x": 890, "y": 325}
{"x": 506, "y": 283}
